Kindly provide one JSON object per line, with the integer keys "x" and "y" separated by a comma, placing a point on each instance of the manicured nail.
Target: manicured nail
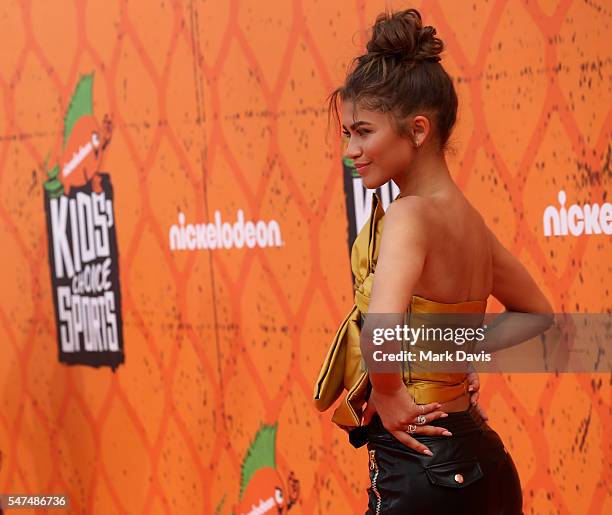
{"x": 447, "y": 433}
{"x": 444, "y": 415}
{"x": 470, "y": 388}
{"x": 428, "y": 452}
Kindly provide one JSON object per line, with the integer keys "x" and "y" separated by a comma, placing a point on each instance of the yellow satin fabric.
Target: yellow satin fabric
{"x": 343, "y": 369}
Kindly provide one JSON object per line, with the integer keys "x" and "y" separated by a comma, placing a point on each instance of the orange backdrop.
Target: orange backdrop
{"x": 219, "y": 106}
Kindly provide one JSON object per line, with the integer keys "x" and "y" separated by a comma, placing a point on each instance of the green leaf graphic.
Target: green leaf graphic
{"x": 259, "y": 455}
{"x": 53, "y": 185}
{"x": 80, "y": 104}
{"x": 54, "y": 172}
{"x": 350, "y": 164}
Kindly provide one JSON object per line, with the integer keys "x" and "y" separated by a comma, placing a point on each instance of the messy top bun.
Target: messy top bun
{"x": 403, "y": 35}
{"x": 401, "y": 73}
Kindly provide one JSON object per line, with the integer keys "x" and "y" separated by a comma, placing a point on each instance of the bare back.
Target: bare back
{"x": 465, "y": 260}
{"x": 459, "y": 264}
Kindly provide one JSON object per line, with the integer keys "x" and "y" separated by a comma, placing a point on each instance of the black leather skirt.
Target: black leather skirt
{"x": 470, "y": 472}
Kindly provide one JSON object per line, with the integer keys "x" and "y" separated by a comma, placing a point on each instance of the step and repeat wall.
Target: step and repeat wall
{"x": 175, "y": 243}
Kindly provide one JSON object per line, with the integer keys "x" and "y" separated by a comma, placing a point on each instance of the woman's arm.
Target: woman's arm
{"x": 528, "y": 312}
{"x": 513, "y": 285}
{"x": 401, "y": 258}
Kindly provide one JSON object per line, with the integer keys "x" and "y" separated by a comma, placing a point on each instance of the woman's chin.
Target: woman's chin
{"x": 370, "y": 184}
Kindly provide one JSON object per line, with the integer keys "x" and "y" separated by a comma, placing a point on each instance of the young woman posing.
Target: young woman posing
{"x": 430, "y": 452}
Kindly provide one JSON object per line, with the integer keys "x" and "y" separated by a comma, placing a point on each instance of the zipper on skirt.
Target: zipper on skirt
{"x": 374, "y": 467}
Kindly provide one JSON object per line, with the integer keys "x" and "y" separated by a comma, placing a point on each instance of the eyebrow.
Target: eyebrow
{"x": 358, "y": 123}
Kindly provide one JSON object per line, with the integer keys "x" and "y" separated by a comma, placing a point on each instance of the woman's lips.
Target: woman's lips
{"x": 361, "y": 167}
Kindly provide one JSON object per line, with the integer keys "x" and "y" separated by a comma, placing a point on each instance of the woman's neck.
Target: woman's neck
{"x": 427, "y": 177}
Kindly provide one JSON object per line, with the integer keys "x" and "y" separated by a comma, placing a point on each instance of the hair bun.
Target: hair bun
{"x": 402, "y": 34}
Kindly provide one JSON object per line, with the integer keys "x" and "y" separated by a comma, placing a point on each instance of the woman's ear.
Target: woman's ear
{"x": 420, "y": 128}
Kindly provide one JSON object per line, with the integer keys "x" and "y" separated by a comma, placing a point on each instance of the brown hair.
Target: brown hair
{"x": 401, "y": 74}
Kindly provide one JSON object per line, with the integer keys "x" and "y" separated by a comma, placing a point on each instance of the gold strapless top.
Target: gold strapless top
{"x": 342, "y": 368}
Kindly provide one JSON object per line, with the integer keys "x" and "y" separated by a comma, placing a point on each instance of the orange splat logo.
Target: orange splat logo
{"x": 266, "y": 493}
{"x": 262, "y": 490}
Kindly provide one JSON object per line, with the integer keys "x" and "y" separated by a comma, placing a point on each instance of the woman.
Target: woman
{"x": 429, "y": 452}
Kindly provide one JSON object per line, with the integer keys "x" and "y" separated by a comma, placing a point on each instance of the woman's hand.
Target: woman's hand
{"x": 474, "y": 389}
{"x": 400, "y": 414}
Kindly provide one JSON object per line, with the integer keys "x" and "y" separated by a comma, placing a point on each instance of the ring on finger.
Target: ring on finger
{"x": 411, "y": 428}
{"x": 420, "y": 420}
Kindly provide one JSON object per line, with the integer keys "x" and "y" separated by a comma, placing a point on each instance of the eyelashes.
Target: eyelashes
{"x": 347, "y": 134}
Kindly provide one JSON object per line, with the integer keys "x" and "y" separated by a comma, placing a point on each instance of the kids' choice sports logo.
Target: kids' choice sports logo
{"x": 83, "y": 253}
{"x": 262, "y": 489}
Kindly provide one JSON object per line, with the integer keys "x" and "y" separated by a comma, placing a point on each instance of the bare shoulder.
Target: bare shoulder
{"x": 419, "y": 211}
{"x": 408, "y": 222}
{"x": 476, "y": 214}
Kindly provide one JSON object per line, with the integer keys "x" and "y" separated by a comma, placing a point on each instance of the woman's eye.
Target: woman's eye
{"x": 360, "y": 133}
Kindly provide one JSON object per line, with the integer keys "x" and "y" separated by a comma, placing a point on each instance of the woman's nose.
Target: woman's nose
{"x": 352, "y": 150}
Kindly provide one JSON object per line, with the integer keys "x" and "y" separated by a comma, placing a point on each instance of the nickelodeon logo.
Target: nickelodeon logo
{"x": 577, "y": 220}
{"x": 223, "y": 235}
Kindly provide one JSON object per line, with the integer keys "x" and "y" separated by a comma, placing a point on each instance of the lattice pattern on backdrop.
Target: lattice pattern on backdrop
{"x": 219, "y": 105}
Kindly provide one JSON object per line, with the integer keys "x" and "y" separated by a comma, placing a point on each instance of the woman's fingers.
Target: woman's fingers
{"x": 429, "y": 417}
{"x": 368, "y": 413}
{"x": 424, "y": 410}
{"x": 473, "y": 382}
{"x": 432, "y": 431}
{"x": 429, "y": 408}
{"x": 474, "y": 387}
{"x": 482, "y": 412}
{"x": 408, "y": 441}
